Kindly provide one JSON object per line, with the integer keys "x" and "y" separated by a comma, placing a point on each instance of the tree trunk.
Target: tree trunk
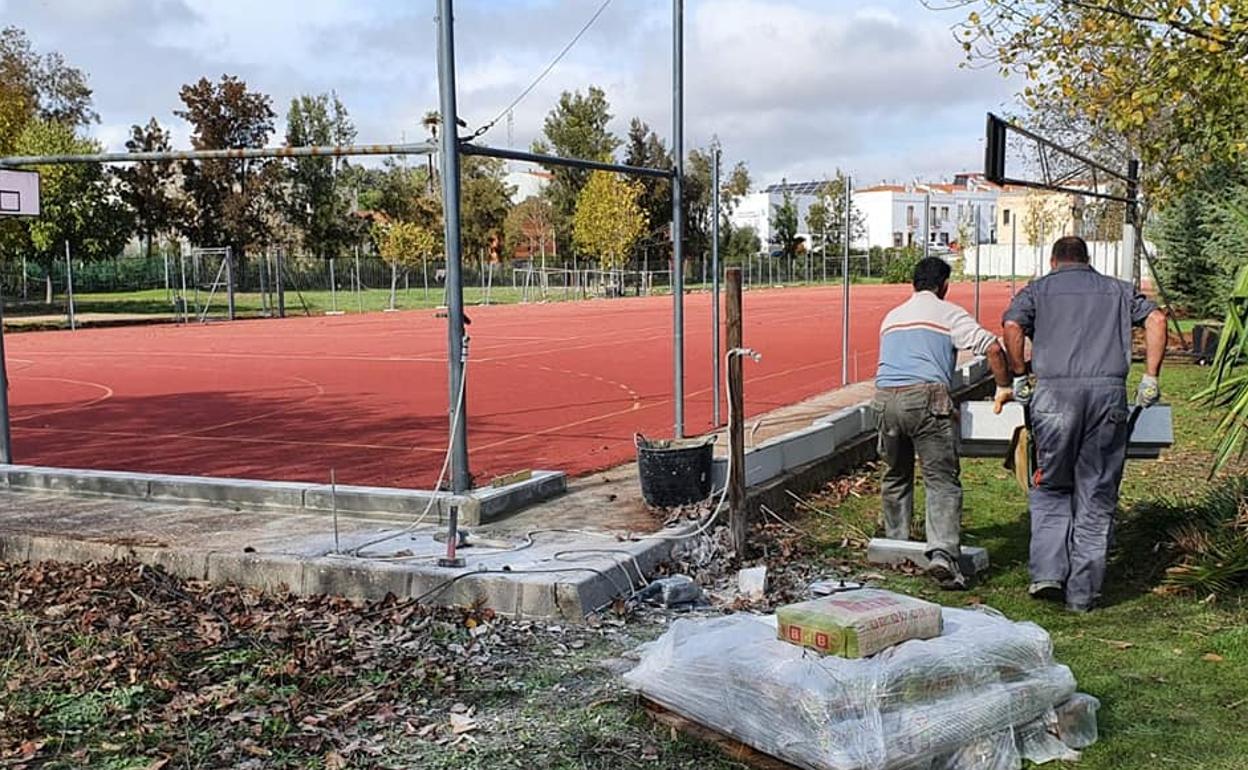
{"x": 394, "y": 282}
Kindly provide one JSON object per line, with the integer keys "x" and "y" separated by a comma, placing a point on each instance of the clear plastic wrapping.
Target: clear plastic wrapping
{"x": 962, "y": 701}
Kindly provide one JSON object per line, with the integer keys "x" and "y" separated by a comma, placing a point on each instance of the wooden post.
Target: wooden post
{"x": 736, "y": 414}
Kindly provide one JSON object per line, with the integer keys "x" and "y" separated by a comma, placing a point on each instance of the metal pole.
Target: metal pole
{"x": 6, "y": 445}
{"x": 1013, "y": 252}
{"x": 278, "y": 265}
{"x": 69, "y": 288}
{"x": 1129, "y": 273}
{"x": 333, "y": 287}
{"x": 678, "y": 220}
{"x": 461, "y": 479}
{"x": 927, "y": 223}
{"x": 715, "y": 374}
{"x": 359, "y": 296}
{"x": 186, "y": 318}
{"x": 265, "y": 310}
{"x": 229, "y": 282}
{"x": 978, "y": 212}
{"x": 845, "y": 191}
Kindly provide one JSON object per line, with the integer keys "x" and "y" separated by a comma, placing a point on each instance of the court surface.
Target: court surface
{"x": 557, "y": 386}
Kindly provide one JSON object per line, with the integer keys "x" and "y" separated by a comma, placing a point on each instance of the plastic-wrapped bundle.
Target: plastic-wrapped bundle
{"x": 921, "y": 704}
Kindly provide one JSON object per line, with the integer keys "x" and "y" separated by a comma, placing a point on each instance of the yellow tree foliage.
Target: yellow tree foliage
{"x": 609, "y": 218}
{"x": 404, "y": 244}
{"x": 1166, "y": 76}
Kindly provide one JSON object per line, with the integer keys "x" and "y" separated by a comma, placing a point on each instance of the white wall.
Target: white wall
{"x": 1031, "y": 261}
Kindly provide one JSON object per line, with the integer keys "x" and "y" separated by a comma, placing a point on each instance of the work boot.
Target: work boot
{"x": 944, "y": 569}
{"x": 1048, "y": 590}
{"x": 1078, "y": 609}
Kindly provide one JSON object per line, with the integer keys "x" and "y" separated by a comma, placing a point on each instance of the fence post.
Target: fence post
{"x": 229, "y": 283}
{"x": 182, "y": 271}
{"x": 281, "y": 289}
{"x": 359, "y": 284}
{"x": 6, "y": 445}
{"x": 736, "y": 414}
{"x": 69, "y": 288}
{"x": 333, "y": 287}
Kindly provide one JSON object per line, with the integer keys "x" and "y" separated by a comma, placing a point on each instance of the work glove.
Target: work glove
{"x": 1148, "y": 393}
{"x": 1005, "y": 394}
{"x": 1023, "y": 389}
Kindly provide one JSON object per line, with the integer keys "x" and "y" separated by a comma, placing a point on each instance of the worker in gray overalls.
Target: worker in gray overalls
{"x": 1079, "y": 322}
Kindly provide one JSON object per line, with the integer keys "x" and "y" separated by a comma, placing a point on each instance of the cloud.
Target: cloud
{"x": 795, "y": 87}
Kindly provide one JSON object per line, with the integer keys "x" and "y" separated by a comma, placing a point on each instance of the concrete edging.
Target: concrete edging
{"x": 476, "y": 507}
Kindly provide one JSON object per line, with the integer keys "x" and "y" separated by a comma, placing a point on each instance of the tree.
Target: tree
{"x": 148, "y": 188}
{"x": 403, "y": 245}
{"x": 784, "y": 225}
{"x": 826, "y": 216}
{"x": 38, "y": 86}
{"x": 609, "y": 219}
{"x": 78, "y": 208}
{"x": 1043, "y": 218}
{"x": 1164, "y": 75}
{"x": 577, "y": 128}
{"x": 743, "y": 244}
{"x": 484, "y": 206}
{"x": 317, "y": 203}
{"x": 644, "y": 148}
{"x": 227, "y": 196}
{"x": 532, "y": 223}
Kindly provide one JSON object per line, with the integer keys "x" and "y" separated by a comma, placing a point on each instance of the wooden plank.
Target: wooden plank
{"x": 736, "y": 415}
{"x": 731, "y": 747}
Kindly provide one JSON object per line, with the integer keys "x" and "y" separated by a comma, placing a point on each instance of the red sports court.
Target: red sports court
{"x": 559, "y": 386}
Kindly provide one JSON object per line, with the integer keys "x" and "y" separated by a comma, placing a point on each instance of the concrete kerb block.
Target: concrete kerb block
{"x": 494, "y": 502}
{"x": 354, "y": 579}
{"x": 269, "y": 572}
{"x": 14, "y": 547}
{"x": 893, "y": 553}
{"x": 321, "y": 498}
{"x": 77, "y": 481}
{"x": 246, "y": 493}
{"x": 189, "y": 564}
{"x": 61, "y": 549}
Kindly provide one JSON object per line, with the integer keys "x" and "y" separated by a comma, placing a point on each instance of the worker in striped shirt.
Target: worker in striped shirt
{"x": 919, "y": 344}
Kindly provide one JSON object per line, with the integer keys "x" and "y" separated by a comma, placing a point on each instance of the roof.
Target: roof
{"x": 796, "y": 188}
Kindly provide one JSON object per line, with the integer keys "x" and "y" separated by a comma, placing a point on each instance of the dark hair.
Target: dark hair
{"x": 931, "y": 273}
{"x": 1071, "y": 248}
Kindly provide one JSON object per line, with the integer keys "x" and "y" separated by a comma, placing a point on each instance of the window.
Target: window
{"x": 961, "y": 213}
{"x": 944, "y": 213}
{"x": 944, "y": 239}
{"x": 1005, "y": 216}
{"x": 910, "y": 216}
{"x": 897, "y": 241}
{"x": 933, "y": 215}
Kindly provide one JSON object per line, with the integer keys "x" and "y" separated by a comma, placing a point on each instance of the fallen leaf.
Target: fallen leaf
{"x": 335, "y": 761}
{"x": 462, "y": 723}
{"x": 1212, "y": 657}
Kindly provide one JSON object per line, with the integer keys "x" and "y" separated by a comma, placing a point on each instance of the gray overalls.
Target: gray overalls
{"x": 1079, "y": 322}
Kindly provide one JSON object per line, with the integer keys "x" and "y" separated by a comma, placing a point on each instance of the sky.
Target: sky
{"x": 795, "y": 88}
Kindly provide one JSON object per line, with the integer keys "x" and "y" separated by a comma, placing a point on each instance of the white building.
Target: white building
{"x": 756, "y": 209}
{"x": 895, "y": 213}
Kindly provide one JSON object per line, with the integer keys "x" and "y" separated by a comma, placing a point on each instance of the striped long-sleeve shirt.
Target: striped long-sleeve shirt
{"x": 920, "y": 340}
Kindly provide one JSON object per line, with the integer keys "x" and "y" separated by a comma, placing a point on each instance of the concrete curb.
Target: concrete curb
{"x": 476, "y": 507}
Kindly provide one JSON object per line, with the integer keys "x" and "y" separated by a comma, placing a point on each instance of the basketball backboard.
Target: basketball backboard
{"x": 1015, "y": 156}
{"x": 19, "y": 193}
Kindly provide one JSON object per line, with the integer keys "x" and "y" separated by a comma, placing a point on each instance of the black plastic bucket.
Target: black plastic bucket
{"x": 674, "y": 472}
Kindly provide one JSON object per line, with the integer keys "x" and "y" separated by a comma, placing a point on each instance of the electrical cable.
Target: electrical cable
{"x": 542, "y": 76}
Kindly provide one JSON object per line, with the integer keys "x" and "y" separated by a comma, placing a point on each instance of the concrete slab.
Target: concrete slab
{"x": 893, "y": 553}
{"x": 244, "y": 493}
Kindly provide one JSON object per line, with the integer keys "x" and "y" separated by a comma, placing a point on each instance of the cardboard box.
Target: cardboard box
{"x": 858, "y": 624}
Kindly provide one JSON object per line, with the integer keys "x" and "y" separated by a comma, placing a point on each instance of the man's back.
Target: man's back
{"x": 920, "y": 340}
{"x": 1080, "y": 323}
